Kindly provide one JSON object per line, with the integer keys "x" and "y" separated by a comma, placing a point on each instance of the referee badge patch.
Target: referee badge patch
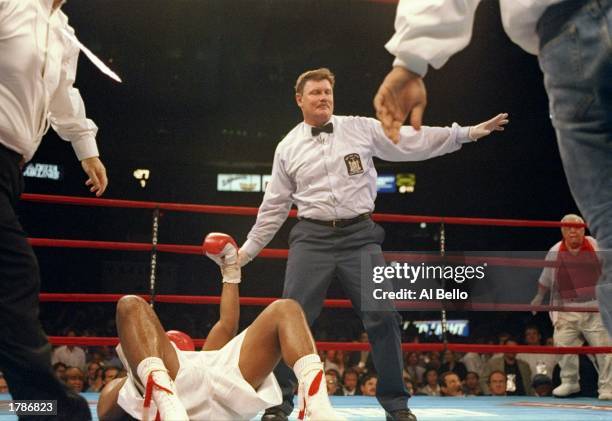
{"x": 353, "y": 164}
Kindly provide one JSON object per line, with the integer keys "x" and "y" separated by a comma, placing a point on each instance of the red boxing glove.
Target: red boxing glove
{"x": 224, "y": 251}
{"x": 182, "y": 340}
{"x": 221, "y": 248}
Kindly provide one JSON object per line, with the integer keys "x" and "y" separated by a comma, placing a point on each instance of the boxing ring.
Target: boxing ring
{"x": 355, "y": 407}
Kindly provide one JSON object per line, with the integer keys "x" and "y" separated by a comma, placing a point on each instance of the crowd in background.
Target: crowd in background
{"x": 452, "y": 374}
{"x": 352, "y": 373}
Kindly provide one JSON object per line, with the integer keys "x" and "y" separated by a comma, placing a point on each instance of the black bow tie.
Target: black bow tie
{"x": 328, "y": 128}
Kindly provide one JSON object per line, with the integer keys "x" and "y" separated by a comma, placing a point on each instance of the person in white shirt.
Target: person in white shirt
{"x": 72, "y": 356}
{"x": 325, "y": 166}
{"x": 574, "y": 286}
{"x": 38, "y": 62}
{"x": 572, "y": 41}
{"x": 542, "y": 364}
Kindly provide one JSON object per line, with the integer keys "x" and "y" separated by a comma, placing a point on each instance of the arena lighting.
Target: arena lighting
{"x": 434, "y": 327}
{"x": 142, "y": 175}
{"x": 239, "y": 182}
{"x": 44, "y": 171}
{"x": 265, "y": 179}
{"x": 385, "y": 183}
{"x": 406, "y": 182}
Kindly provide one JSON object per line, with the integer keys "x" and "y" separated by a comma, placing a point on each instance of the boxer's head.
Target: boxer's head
{"x": 182, "y": 340}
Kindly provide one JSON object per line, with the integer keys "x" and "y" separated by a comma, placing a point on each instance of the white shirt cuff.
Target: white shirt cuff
{"x": 251, "y": 248}
{"x": 85, "y": 148}
{"x": 413, "y": 63}
{"x": 462, "y": 135}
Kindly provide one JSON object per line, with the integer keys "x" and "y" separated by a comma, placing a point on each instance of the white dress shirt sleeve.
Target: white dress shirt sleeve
{"x": 274, "y": 208}
{"x": 67, "y": 110}
{"x": 430, "y": 32}
{"x": 3, "y": 13}
{"x": 416, "y": 145}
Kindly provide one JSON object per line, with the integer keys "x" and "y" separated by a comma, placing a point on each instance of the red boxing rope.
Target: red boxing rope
{"x": 359, "y": 346}
{"x": 125, "y": 246}
{"x": 329, "y": 303}
{"x": 244, "y": 210}
{"x": 284, "y": 253}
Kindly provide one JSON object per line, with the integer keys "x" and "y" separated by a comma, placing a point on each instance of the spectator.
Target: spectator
{"x": 542, "y": 385}
{"x": 517, "y": 372}
{"x": 350, "y": 379}
{"x": 473, "y": 362}
{"x": 96, "y": 383}
{"x": 97, "y": 356}
{"x": 368, "y": 384}
{"x": 3, "y": 385}
{"x": 110, "y": 373}
{"x": 332, "y": 382}
{"x": 433, "y": 360}
{"x": 502, "y": 337}
{"x": 72, "y": 356}
{"x": 413, "y": 369}
{"x": 362, "y": 361}
{"x": 498, "y": 383}
{"x": 451, "y": 364}
{"x": 472, "y": 384}
{"x": 334, "y": 360}
{"x": 409, "y": 384}
{"x": 450, "y": 384}
{"x": 92, "y": 371}
{"x": 431, "y": 388}
{"x": 110, "y": 357}
{"x": 75, "y": 379}
{"x": 60, "y": 371}
{"x": 538, "y": 363}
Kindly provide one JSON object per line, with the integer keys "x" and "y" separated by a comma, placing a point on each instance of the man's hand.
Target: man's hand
{"x": 497, "y": 124}
{"x": 97, "y": 180}
{"x": 401, "y": 93}
{"x": 537, "y": 300}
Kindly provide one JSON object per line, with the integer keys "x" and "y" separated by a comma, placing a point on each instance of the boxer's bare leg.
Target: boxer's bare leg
{"x": 142, "y": 335}
{"x": 279, "y": 331}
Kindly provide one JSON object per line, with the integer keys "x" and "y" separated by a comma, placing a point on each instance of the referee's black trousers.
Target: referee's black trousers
{"x": 25, "y": 353}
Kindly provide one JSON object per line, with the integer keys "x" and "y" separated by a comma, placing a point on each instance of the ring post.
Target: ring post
{"x": 443, "y": 319}
{"x": 153, "y": 274}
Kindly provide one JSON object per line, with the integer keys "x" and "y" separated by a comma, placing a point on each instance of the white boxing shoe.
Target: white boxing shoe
{"x": 566, "y": 389}
{"x": 161, "y": 389}
{"x": 313, "y": 401}
{"x": 605, "y": 396}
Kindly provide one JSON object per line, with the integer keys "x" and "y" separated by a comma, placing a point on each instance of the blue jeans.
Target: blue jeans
{"x": 576, "y": 58}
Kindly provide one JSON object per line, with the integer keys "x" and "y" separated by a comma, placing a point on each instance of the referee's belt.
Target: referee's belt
{"x": 339, "y": 223}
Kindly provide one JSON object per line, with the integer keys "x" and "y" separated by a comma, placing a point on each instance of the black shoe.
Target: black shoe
{"x": 274, "y": 414}
{"x": 401, "y": 415}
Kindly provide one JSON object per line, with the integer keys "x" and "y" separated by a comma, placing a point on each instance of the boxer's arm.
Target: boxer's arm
{"x": 227, "y": 326}
{"x": 222, "y": 249}
{"x": 108, "y": 408}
